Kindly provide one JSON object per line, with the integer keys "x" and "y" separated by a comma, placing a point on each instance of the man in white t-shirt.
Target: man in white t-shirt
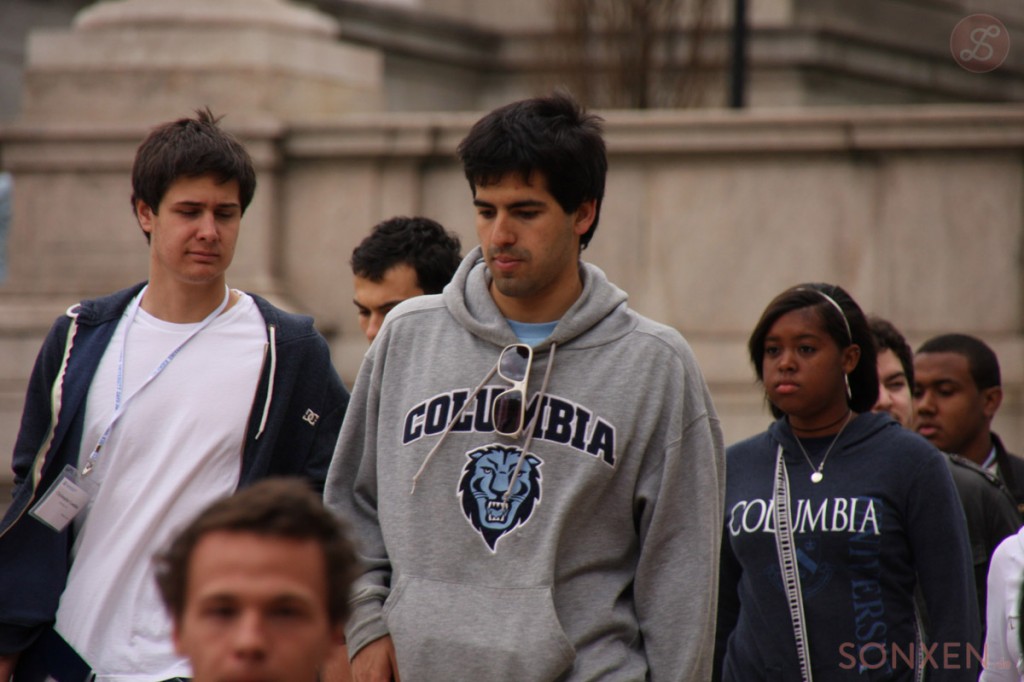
{"x": 145, "y": 406}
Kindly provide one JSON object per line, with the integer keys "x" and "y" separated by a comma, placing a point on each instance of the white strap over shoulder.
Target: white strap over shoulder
{"x": 56, "y": 397}
{"x": 784, "y": 544}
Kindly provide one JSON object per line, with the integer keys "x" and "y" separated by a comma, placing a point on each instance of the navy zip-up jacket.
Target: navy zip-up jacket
{"x": 296, "y": 415}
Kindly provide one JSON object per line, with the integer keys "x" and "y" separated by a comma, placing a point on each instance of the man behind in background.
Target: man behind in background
{"x": 990, "y": 510}
{"x": 401, "y": 258}
{"x": 957, "y": 392}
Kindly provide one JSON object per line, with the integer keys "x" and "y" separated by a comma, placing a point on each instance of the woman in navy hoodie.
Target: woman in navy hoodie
{"x": 835, "y": 516}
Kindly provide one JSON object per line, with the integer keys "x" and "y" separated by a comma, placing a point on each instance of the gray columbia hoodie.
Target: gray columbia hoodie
{"x": 599, "y": 558}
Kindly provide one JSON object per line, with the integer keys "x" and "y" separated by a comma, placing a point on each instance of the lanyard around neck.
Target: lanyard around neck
{"x": 120, "y": 402}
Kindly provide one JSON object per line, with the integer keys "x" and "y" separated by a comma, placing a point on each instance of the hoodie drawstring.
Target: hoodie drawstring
{"x": 454, "y": 420}
{"x": 270, "y": 382}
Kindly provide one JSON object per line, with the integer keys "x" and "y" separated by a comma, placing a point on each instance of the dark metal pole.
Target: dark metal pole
{"x": 738, "y": 67}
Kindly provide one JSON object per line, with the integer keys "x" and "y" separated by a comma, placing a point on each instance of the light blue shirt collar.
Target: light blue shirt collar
{"x": 532, "y": 333}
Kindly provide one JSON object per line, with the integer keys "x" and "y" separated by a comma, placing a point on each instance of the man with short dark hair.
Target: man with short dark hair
{"x": 989, "y": 507}
{"x": 146, "y": 405}
{"x": 527, "y": 517}
{"x": 957, "y": 392}
{"x": 401, "y": 258}
{"x": 257, "y": 585}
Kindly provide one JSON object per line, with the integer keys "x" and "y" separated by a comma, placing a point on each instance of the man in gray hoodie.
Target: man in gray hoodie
{"x": 523, "y": 516}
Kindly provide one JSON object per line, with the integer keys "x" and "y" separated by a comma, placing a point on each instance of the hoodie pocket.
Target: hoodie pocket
{"x": 454, "y": 631}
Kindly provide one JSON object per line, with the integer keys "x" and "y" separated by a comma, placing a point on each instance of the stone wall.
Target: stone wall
{"x": 916, "y": 211}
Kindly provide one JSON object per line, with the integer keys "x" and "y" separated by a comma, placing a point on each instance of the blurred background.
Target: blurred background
{"x": 876, "y": 144}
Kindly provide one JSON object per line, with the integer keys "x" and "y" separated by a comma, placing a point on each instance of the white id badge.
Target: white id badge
{"x": 65, "y": 500}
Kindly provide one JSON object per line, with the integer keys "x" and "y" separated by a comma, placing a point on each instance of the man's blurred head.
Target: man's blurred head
{"x": 257, "y": 585}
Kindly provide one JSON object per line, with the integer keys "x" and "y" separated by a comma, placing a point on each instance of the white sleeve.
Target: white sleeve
{"x": 1002, "y": 647}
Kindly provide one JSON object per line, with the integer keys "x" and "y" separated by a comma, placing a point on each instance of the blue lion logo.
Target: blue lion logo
{"x": 485, "y": 480}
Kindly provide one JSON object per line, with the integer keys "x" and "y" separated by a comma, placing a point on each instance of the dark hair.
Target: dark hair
{"x": 276, "y": 508}
{"x": 421, "y": 243}
{"x": 846, "y": 328}
{"x": 887, "y": 337}
{"x": 981, "y": 360}
{"x": 552, "y": 135}
{"x": 190, "y": 147}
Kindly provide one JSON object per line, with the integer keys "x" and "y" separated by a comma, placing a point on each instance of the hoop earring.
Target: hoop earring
{"x": 849, "y": 393}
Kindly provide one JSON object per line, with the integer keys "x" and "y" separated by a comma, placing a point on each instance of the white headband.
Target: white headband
{"x": 849, "y": 334}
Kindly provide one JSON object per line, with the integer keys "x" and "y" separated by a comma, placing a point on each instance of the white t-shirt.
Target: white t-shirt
{"x": 176, "y": 448}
